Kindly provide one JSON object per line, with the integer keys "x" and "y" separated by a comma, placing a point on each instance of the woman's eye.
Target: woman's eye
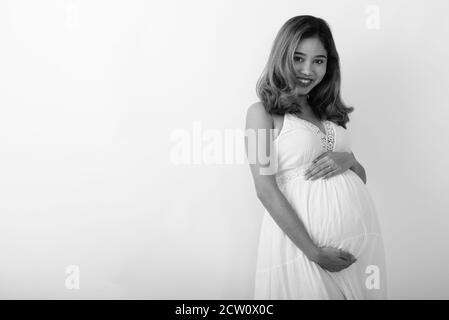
{"x": 296, "y": 59}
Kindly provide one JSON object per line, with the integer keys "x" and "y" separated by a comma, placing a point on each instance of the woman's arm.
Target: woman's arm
{"x": 258, "y": 125}
{"x": 287, "y": 219}
{"x": 358, "y": 169}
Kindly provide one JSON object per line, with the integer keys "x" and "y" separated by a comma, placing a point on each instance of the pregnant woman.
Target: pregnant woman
{"x": 320, "y": 237}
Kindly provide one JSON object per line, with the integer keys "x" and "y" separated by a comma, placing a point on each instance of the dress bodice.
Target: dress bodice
{"x": 299, "y": 142}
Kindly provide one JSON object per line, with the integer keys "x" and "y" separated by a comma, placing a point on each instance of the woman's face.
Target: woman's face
{"x": 309, "y": 61}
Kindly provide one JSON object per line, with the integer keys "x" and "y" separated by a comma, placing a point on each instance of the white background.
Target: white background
{"x": 91, "y": 91}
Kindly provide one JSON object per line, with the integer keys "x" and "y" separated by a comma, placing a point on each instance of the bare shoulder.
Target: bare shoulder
{"x": 258, "y": 117}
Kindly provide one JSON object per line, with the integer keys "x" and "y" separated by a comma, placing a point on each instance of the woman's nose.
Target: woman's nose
{"x": 305, "y": 69}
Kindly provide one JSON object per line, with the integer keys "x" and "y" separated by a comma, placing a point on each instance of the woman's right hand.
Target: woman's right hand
{"x": 333, "y": 260}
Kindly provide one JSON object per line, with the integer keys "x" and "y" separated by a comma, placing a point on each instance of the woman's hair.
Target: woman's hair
{"x": 278, "y": 87}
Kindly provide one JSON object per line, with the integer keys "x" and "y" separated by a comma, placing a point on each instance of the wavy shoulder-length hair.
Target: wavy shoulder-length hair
{"x": 278, "y": 87}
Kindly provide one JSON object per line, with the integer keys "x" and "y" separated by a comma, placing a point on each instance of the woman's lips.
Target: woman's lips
{"x": 304, "y": 82}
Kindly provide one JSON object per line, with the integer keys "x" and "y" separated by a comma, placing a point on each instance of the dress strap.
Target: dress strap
{"x": 286, "y": 122}
{"x": 285, "y": 125}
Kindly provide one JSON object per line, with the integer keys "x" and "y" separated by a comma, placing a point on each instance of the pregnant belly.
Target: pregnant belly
{"x": 337, "y": 211}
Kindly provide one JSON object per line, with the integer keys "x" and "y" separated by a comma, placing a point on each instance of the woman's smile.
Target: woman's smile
{"x": 305, "y": 82}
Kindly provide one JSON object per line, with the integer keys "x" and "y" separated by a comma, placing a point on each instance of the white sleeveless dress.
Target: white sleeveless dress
{"x": 337, "y": 212}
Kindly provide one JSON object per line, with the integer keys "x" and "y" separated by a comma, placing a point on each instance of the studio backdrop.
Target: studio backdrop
{"x": 122, "y": 166}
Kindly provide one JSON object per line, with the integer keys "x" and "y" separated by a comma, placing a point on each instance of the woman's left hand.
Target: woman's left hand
{"x": 329, "y": 164}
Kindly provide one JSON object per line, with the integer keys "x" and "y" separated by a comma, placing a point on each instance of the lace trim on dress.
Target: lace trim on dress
{"x": 328, "y": 138}
{"x": 288, "y": 175}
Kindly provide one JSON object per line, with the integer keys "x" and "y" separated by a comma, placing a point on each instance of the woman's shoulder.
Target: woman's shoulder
{"x": 257, "y": 114}
{"x": 257, "y": 107}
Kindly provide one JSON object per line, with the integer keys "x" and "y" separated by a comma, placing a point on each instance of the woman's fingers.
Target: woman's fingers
{"x": 346, "y": 259}
{"x": 318, "y": 170}
{"x": 344, "y": 256}
{"x": 319, "y": 173}
{"x": 347, "y": 256}
{"x": 335, "y": 260}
